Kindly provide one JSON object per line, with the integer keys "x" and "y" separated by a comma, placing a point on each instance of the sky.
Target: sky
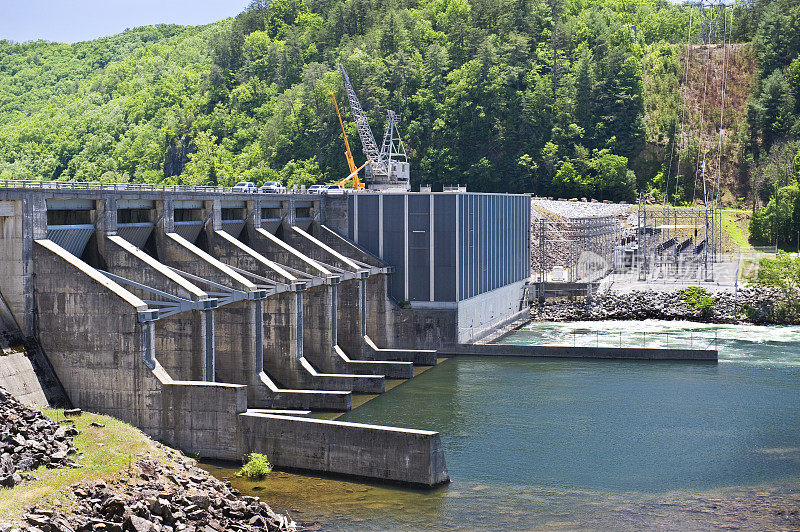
{"x": 71, "y": 21}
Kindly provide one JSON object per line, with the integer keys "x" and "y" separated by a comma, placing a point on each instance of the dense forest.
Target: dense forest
{"x": 555, "y": 97}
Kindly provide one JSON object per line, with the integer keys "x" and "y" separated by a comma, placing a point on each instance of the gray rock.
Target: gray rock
{"x": 139, "y": 524}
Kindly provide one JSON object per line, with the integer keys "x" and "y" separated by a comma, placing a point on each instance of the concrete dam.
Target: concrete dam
{"x": 216, "y": 322}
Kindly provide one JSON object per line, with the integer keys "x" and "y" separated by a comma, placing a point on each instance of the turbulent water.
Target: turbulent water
{"x": 565, "y": 444}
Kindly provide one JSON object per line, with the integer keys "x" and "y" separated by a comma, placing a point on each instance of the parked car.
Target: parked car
{"x": 245, "y": 186}
{"x": 333, "y": 190}
{"x": 272, "y": 187}
{"x": 316, "y": 189}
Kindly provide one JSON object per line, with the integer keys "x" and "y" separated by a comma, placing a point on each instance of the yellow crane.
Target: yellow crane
{"x": 357, "y": 184}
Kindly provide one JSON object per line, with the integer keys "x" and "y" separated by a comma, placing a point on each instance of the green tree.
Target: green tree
{"x": 770, "y": 111}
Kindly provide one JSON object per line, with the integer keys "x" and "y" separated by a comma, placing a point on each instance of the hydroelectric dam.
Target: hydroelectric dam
{"x": 216, "y": 321}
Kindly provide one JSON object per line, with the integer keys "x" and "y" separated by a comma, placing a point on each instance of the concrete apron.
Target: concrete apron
{"x": 208, "y": 418}
{"x": 320, "y": 339}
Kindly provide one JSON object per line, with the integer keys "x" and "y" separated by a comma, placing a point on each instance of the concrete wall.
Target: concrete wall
{"x": 349, "y": 318}
{"x": 381, "y": 312}
{"x": 281, "y": 339}
{"x": 97, "y": 353}
{"x": 334, "y": 213}
{"x": 12, "y": 286}
{"x": 401, "y": 455}
{"x": 378, "y": 307}
{"x": 423, "y": 328}
{"x": 93, "y": 340}
{"x": 179, "y": 338}
{"x": 483, "y": 312}
{"x": 201, "y": 418}
{"x": 234, "y": 324}
{"x": 629, "y": 353}
{"x": 18, "y": 377}
{"x": 318, "y": 337}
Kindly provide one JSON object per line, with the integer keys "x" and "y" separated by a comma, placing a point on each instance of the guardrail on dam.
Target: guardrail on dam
{"x": 214, "y": 321}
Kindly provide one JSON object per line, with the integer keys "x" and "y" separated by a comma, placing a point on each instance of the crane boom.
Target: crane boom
{"x": 347, "y": 153}
{"x": 357, "y": 184}
{"x": 368, "y": 143}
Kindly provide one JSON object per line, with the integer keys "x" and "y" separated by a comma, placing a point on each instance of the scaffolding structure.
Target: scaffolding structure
{"x": 649, "y": 244}
{"x": 582, "y": 248}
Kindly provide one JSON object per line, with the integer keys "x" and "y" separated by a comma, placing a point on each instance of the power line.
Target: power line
{"x": 683, "y": 101}
{"x": 722, "y": 106}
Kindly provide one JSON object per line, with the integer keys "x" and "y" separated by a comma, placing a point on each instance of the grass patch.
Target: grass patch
{"x": 106, "y": 451}
{"x": 736, "y": 223}
{"x": 735, "y": 226}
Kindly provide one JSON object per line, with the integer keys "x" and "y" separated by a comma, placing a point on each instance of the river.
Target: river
{"x": 586, "y": 444}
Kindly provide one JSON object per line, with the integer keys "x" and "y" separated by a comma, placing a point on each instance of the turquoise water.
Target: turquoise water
{"x": 534, "y": 443}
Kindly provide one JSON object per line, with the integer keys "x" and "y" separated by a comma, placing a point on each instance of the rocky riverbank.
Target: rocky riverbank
{"x": 29, "y": 439}
{"x": 757, "y": 305}
{"x": 158, "y": 491}
{"x": 154, "y": 496}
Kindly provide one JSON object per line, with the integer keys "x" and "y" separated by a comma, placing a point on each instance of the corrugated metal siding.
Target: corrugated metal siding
{"x": 394, "y": 241}
{"x": 189, "y": 230}
{"x": 135, "y": 233}
{"x": 368, "y": 233}
{"x": 350, "y": 216}
{"x": 444, "y": 247}
{"x": 491, "y": 248}
{"x": 233, "y": 227}
{"x": 73, "y": 238}
{"x": 493, "y": 241}
{"x": 419, "y": 246}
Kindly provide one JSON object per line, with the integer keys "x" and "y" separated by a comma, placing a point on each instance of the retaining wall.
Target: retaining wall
{"x": 628, "y": 353}
{"x": 401, "y": 455}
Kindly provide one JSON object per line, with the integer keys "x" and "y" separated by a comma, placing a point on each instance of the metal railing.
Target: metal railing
{"x": 97, "y": 185}
{"x": 152, "y": 187}
{"x": 139, "y": 187}
{"x": 653, "y": 340}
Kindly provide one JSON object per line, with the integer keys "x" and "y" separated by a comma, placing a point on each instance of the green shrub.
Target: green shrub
{"x": 751, "y": 312}
{"x": 257, "y": 467}
{"x": 782, "y": 272}
{"x": 698, "y": 299}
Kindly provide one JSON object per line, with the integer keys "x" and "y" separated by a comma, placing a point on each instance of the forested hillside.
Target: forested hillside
{"x": 557, "y": 97}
